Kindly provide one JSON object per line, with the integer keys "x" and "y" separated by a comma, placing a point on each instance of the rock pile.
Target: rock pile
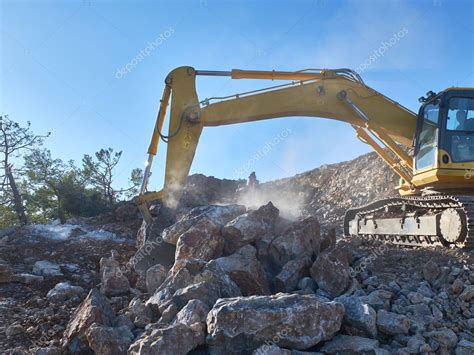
{"x": 228, "y": 279}
{"x": 249, "y": 281}
{"x": 45, "y": 274}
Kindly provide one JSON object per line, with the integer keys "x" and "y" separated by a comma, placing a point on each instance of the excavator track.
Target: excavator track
{"x": 436, "y": 209}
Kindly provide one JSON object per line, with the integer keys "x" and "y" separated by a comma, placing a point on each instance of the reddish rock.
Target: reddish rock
{"x": 109, "y": 340}
{"x": 249, "y": 227}
{"x": 301, "y": 239}
{"x": 331, "y": 275}
{"x": 245, "y": 270}
{"x": 177, "y": 339}
{"x": 292, "y": 272}
{"x": 241, "y": 324}
{"x": 6, "y": 273}
{"x": 94, "y": 309}
{"x": 202, "y": 241}
{"x": 220, "y": 215}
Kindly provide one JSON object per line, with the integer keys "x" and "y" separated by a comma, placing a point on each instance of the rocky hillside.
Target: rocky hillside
{"x": 222, "y": 278}
{"x": 225, "y": 280}
{"x": 328, "y": 191}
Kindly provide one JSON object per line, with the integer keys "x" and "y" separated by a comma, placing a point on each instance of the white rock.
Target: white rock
{"x": 64, "y": 290}
{"x": 46, "y": 268}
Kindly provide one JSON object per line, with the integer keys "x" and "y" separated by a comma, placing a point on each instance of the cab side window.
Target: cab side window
{"x": 460, "y": 114}
{"x": 460, "y": 129}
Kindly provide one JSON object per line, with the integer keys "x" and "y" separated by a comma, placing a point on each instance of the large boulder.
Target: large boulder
{"x": 94, "y": 309}
{"x": 219, "y": 215}
{"x": 392, "y": 323}
{"x": 114, "y": 282}
{"x": 291, "y": 273}
{"x": 126, "y": 212}
{"x": 444, "y": 336}
{"x": 63, "y": 291}
{"x": 177, "y": 339}
{"x": 244, "y": 323}
{"x": 202, "y": 241}
{"x": 162, "y": 217}
{"x": 152, "y": 249}
{"x": 203, "y": 291}
{"x": 6, "y": 273}
{"x": 190, "y": 272}
{"x": 359, "y": 317}
{"x": 139, "y": 312}
{"x": 207, "y": 190}
{"x": 431, "y": 271}
{"x": 155, "y": 277}
{"x": 109, "y": 340}
{"x": 194, "y": 312}
{"x": 341, "y": 252}
{"x": 47, "y": 269}
{"x": 300, "y": 240}
{"x": 331, "y": 275}
{"x": 245, "y": 270}
{"x": 248, "y": 227}
{"x": 468, "y": 294}
{"x": 153, "y": 252}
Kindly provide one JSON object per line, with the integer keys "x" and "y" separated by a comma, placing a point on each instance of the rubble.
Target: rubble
{"x": 109, "y": 340}
{"x": 331, "y": 275}
{"x": 301, "y": 239}
{"x": 64, "y": 290}
{"x": 359, "y": 317}
{"x": 392, "y": 323}
{"x": 216, "y": 279}
{"x": 219, "y": 215}
{"x": 291, "y": 273}
{"x": 47, "y": 269}
{"x": 345, "y": 344}
{"x": 177, "y": 339}
{"x": 114, "y": 282}
{"x": 248, "y": 227}
{"x": 245, "y": 270}
{"x": 6, "y": 273}
{"x": 202, "y": 241}
{"x": 155, "y": 276}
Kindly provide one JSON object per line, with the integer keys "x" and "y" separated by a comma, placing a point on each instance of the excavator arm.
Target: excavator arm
{"x": 334, "y": 94}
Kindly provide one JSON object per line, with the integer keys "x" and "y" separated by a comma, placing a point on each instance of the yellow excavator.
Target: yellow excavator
{"x": 432, "y": 151}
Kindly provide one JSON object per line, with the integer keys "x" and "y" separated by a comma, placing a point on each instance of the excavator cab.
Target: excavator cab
{"x": 444, "y": 140}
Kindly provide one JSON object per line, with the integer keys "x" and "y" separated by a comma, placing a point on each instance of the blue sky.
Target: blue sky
{"x": 59, "y": 63}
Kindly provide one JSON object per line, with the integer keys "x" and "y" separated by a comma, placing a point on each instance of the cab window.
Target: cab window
{"x": 460, "y": 129}
{"x": 428, "y": 137}
{"x": 460, "y": 114}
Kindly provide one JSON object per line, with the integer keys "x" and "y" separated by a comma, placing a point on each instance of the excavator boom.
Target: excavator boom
{"x": 334, "y": 94}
